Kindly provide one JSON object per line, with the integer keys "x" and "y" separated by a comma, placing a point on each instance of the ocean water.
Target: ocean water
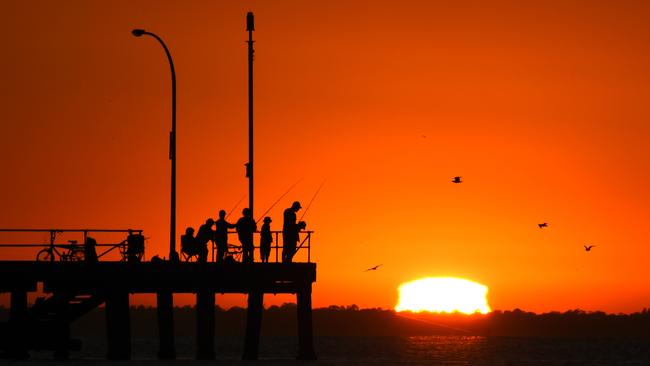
{"x": 421, "y": 350}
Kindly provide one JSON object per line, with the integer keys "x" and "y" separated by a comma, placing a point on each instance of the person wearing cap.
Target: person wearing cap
{"x": 290, "y": 232}
{"x": 266, "y": 239}
{"x": 246, "y": 227}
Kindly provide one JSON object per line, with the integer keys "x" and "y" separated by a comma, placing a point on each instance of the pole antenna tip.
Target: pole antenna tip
{"x": 250, "y": 21}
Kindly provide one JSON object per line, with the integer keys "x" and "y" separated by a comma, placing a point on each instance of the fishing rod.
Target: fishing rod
{"x": 312, "y": 199}
{"x": 278, "y": 200}
{"x": 304, "y": 213}
{"x": 236, "y": 205}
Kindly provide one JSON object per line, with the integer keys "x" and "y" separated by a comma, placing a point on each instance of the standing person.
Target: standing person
{"x": 204, "y": 235}
{"x": 265, "y": 240}
{"x": 290, "y": 232}
{"x": 90, "y": 252}
{"x": 246, "y": 226}
{"x": 221, "y": 235}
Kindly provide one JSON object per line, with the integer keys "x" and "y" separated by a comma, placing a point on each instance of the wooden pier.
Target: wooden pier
{"x": 74, "y": 288}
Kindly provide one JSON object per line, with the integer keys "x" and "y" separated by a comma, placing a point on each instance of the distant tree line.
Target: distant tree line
{"x": 352, "y": 321}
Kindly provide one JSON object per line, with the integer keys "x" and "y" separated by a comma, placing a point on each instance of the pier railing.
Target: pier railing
{"x": 60, "y": 246}
{"x": 73, "y": 249}
{"x": 303, "y": 245}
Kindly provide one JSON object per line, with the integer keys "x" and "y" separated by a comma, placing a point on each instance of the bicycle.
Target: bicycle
{"x": 69, "y": 252}
{"x": 234, "y": 252}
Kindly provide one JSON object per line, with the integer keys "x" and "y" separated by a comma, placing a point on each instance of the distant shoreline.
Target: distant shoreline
{"x": 352, "y": 321}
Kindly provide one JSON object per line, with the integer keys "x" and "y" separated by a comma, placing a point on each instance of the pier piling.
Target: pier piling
{"x": 118, "y": 325}
{"x": 72, "y": 289}
{"x": 205, "y": 301}
{"x": 305, "y": 335}
{"x": 17, "y": 317}
{"x": 253, "y": 325}
{"x": 165, "y": 303}
{"x": 61, "y": 333}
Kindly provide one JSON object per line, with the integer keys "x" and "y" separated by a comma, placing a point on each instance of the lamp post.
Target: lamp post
{"x": 173, "y": 255}
{"x": 250, "y": 27}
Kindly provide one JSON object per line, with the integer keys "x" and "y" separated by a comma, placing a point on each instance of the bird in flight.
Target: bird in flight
{"x": 457, "y": 180}
{"x": 588, "y": 247}
{"x": 543, "y": 225}
{"x": 373, "y": 268}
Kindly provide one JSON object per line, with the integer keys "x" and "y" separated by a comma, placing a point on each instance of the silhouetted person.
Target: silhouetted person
{"x": 134, "y": 246}
{"x": 246, "y": 226}
{"x": 204, "y": 235}
{"x": 266, "y": 239}
{"x": 189, "y": 246}
{"x": 221, "y": 235}
{"x": 290, "y": 232}
{"x": 90, "y": 252}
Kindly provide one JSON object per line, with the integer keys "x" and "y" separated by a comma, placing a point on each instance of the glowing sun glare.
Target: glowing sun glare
{"x": 443, "y": 294}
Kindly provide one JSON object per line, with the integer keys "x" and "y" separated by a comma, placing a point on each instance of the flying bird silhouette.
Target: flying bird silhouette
{"x": 373, "y": 268}
{"x": 457, "y": 180}
{"x": 588, "y": 248}
{"x": 543, "y": 225}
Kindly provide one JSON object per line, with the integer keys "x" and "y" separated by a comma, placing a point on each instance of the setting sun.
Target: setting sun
{"x": 443, "y": 294}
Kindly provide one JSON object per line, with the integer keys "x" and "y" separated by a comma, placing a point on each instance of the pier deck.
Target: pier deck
{"x": 152, "y": 277}
{"x": 74, "y": 288}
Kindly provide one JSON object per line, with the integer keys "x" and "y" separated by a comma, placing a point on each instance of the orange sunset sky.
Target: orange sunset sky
{"x": 541, "y": 107}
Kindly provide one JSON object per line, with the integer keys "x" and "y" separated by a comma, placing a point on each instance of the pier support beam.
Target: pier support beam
{"x": 165, "y": 303}
{"x": 253, "y": 325}
{"x": 205, "y": 302}
{"x": 17, "y": 318}
{"x": 118, "y": 326}
{"x": 61, "y": 336}
{"x": 305, "y": 329}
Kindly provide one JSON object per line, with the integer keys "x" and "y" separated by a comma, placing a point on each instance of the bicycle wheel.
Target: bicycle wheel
{"x": 124, "y": 251}
{"x": 77, "y": 255}
{"x": 44, "y": 255}
{"x": 236, "y": 254}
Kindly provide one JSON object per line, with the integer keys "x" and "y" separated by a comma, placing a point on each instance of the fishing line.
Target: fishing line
{"x": 278, "y": 200}
{"x": 236, "y": 205}
{"x": 312, "y": 200}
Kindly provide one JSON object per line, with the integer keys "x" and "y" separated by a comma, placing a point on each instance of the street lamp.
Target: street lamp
{"x": 173, "y": 255}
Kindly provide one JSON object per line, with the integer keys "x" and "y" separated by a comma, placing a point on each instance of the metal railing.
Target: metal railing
{"x": 304, "y": 243}
{"x": 73, "y": 250}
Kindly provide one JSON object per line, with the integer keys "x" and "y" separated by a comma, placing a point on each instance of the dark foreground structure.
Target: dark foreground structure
{"x": 75, "y": 288}
{"x": 77, "y": 279}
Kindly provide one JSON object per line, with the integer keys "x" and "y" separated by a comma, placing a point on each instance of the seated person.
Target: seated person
{"x": 135, "y": 246}
{"x": 189, "y": 246}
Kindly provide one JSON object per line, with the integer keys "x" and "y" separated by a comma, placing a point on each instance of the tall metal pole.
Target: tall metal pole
{"x": 172, "y": 145}
{"x": 250, "y": 27}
